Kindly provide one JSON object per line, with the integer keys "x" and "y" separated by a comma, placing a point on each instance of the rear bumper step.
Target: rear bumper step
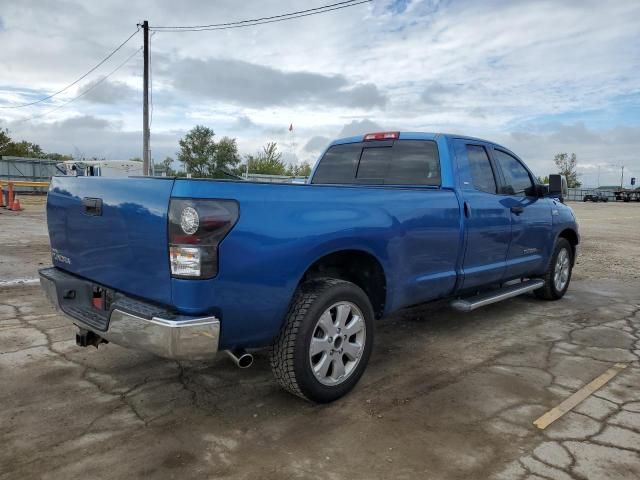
{"x": 471, "y": 303}
{"x": 132, "y": 323}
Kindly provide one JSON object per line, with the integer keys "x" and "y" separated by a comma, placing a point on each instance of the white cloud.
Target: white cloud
{"x": 254, "y": 85}
{"x": 108, "y": 92}
{"x": 540, "y": 77}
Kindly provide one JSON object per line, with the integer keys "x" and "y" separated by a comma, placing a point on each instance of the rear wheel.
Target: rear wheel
{"x": 558, "y": 274}
{"x": 325, "y": 343}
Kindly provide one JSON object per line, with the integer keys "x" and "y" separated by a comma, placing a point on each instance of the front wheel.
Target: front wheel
{"x": 325, "y": 343}
{"x": 558, "y": 274}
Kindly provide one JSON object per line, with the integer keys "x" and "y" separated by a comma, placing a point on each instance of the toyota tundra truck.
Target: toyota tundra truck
{"x": 185, "y": 268}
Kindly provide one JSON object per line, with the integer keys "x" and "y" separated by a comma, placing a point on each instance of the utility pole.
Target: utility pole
{"x": 145, "y": 103}
{"x": 622, "y": 177}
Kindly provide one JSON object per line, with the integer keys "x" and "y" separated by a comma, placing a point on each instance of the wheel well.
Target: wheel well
{"x": 572, "y": 237}
{"x": 357, "y": 267}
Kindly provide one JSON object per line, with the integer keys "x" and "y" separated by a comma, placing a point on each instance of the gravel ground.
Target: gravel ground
{"x": 446, "y": 396}
{"x": 611, "y": 240}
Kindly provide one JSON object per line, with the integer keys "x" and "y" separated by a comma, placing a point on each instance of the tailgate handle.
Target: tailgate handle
{"x": 92, "y": 206}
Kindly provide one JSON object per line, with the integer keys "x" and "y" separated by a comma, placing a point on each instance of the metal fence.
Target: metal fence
{"x": 578, "y": 194}
{"x": 31, "y": 169}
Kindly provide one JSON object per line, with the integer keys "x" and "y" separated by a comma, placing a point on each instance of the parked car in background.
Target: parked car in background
{"x": 595, "y": 197}
{"x": 184, "y": 268}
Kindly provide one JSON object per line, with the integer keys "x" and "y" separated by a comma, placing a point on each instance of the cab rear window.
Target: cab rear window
{"x": 399, "y": 162}
{"x": 338, "y": 165}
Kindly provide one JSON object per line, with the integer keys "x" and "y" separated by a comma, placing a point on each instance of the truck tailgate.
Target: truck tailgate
{"x": 112, "y": 231}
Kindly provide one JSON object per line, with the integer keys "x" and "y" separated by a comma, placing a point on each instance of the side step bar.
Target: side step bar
{"x": 471, "y": 303}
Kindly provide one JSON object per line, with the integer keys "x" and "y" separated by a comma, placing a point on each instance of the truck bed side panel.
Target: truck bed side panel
{"x": 283, "y": 229}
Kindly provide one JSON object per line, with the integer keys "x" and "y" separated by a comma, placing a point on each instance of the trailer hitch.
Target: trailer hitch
{"x": 85, "y": 338}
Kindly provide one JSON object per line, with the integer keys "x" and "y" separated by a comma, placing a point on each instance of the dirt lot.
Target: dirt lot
{"x": 446, "y": 396}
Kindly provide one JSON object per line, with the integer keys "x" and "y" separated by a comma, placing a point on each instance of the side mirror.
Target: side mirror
{"x": 558, "y": 186}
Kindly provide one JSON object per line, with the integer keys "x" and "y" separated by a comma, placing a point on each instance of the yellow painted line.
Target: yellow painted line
{"x": 555, "y": 413}
{"x": 24, "y": 183}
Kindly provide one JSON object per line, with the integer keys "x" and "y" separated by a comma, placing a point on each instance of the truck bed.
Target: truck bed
{"x": 415, "y": 232}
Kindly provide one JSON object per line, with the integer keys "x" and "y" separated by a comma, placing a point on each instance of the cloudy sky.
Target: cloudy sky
{"x": 539, "y": 77}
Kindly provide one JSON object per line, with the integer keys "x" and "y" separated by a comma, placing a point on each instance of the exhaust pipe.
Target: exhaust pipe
{"x": 240, "y": 357}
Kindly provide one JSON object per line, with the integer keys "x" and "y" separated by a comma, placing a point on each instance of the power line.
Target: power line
{"x": 263, "y": 20}
{"x": 214, "y": 25}
{"x": 79, "y": 79}
{"x": 83, "y": 93}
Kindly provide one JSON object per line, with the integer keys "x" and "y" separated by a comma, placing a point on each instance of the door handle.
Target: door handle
{"x": 517, "y": 209}
{"x": 467, "y": 210}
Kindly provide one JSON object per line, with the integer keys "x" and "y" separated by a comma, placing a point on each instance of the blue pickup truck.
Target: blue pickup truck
{"x": 185, "y": 268}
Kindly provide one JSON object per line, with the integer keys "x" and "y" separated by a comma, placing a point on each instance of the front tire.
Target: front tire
{"x": 558, "y": 274}
{"x": 325, "y": 342}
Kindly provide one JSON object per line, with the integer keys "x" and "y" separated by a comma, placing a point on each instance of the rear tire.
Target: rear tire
{"x": 325, "y": 342}
{"x": 558, "y": 274}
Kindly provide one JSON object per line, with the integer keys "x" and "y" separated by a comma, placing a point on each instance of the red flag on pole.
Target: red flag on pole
{"x": 291, "y": 127}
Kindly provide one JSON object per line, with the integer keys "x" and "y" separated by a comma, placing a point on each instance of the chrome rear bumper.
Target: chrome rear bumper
{"x": 179, "y": 338}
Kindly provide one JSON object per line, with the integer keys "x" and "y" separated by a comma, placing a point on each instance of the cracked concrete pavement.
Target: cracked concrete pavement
{"x": 446, "y": 396}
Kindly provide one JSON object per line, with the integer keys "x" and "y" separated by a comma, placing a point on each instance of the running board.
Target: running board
{"x": 471, "y": 303}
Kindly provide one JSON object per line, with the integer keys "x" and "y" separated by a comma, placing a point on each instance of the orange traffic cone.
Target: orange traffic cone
{"x": 10, "y": 197}
{"x": 16, "y": 204}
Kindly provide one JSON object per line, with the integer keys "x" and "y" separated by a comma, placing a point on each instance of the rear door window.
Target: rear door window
{"x": 403, "y": 162}
{"x": 482, "y": 174}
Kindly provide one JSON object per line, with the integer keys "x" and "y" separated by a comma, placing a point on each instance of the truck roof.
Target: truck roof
{"x": 410, "y": 136}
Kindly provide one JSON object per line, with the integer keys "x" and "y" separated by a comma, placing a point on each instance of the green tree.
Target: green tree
{"x": 58, "y": 157}
{"x": 302, "y": 170}
{"x": 544, "y": 179}
{"x": 8, "y": 147}
{"x": 567, "y": 165}
{"x": 226, "y": 158}
{"x": 165, "y": 166}
{"x": 267, "y": 162}
{"x": 23, "y": 149}
{"x": 201, "y": 156}
{"x": 197, "y": 151}
{"x": 5, "y": 140}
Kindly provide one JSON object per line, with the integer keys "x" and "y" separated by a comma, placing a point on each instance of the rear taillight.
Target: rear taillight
{"x": 381, "y": 136}
{"x": 196, "y": 228}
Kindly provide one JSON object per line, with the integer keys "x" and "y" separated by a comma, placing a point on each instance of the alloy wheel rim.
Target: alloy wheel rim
{"x": 561, "y": 270}
{"x": 337, "y": 343}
